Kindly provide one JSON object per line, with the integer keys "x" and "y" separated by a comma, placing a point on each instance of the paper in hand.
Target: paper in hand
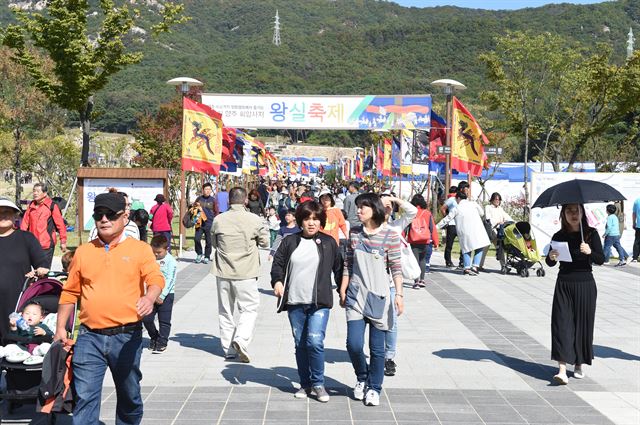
{"x": 563, "y": 251}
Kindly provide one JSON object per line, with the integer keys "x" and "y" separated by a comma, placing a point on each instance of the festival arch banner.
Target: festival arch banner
{"x": 392, "y": 112}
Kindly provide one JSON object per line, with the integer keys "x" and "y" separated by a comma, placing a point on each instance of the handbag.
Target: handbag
{"x": 410, "y": 266}
{"x": 489, "y": 229}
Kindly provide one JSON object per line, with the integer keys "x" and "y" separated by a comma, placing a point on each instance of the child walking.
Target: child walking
{"x": 274, "y": 224}
{"x": 164, "y": 304}
{"x": 612, "y": 237}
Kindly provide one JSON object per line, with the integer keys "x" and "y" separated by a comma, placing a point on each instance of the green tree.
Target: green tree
{"x": 24, "y": 111}
{"x": 84, "y": 56}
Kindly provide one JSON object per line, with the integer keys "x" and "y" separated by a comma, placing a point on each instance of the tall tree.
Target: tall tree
{"x": 24, "y": 111}
{"x": 84, "y": 55}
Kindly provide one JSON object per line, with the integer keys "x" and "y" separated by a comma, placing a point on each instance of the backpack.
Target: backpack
{"x": 188, "y": 220}
{"x": 419, "y": 229}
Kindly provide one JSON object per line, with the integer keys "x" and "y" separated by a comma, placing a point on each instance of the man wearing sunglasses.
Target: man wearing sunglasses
{"x": 116, "y": 279}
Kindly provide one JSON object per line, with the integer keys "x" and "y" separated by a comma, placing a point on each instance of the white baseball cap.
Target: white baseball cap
{"x": 4, "y": 202}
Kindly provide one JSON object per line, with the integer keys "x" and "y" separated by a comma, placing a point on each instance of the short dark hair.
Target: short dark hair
{"x": 159, "y": 241}
{"x": 237, "y": 195}
{"x": 207, "y": 184}
{"x": 460, "y": 194}
{"x": 463, "y": 185}
{"x": 43, "y": 187}
{"x": 291, "y": 211}
{"x": 36, "y": 303}
{"x": 329, "y": 197}
{"x": 611, "y": 209}
{"x": 453, "y": 189}
{"x": 372, "y": 200}
{"x": 66, "y": 259}
{"x": 309, "y": 208}
{"x": 418, "y": 201}
{"x": 495, "y": 195}
{"x": 355, "y": 184}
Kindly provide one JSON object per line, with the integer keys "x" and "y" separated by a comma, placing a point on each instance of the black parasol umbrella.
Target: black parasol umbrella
{"x": 577, "y": 192}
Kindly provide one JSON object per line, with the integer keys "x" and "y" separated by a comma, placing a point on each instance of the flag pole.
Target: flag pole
{"x": 182, "y": 211}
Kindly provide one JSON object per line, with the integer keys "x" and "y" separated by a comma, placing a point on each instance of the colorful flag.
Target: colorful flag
{"x": 368, "y": 162}
{"x": 467, "y": 139}
{"x": 358, "y": 166}
{"x": 304, "y": 168}
{"x": 406, "y": 152}
{"x": 201, "y": 138}
{"x": 395, "y": 154}
{"x": 386, "y": 164}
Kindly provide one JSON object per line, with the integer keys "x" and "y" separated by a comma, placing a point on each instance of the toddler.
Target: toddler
{"x": 33, "y": 314}
{"x": 612, "y": 237}
{"x": 164, "y": 304}
{"x": 274, "y": 224}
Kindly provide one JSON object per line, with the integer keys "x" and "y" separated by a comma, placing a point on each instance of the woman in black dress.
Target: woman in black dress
{"x": 574, "y": 299}
{"x": 20, "y": 255}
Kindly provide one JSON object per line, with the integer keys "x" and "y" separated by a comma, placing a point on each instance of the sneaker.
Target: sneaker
{"x": 621, "y": 263}
{"x": 198, "y": 259}
{"x": 449, "y": 265}
{"x": 243, "y": 355}
{"x": 469, "y": 272}
{"x": 159, "y": 348}
{"x": 205, "y": 260}
{"x": 230, "y": 356}
{"x": 561, "y": 379}
{"x": 389, "y": 367}
{"x": 372, "y": 398}
{"x": 416, "y": 285}
{"x": 635, "y": 260}
{"x": 578, "y": 373}
{"x": 321, "y": 394}
{"x": 303, "y": 393}
{"x": 358, "y": 390}
{"x": 460, "y": 267}
{"x": 152, "y": 344}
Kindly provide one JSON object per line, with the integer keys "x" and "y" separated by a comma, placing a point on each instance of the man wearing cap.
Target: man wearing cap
{"x": 161, "y": 216}
{"x": 43, "y": 218}
{"x": 236, "y": 236}
{"x": 21, "y": 256}
{"x": 108, "y": 276}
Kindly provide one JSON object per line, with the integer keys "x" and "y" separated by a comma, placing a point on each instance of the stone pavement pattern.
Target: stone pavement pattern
{"x": 472, "y": 350}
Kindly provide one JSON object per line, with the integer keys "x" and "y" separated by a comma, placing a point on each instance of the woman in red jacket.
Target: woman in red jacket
{"x": 422, "y": 236}
{"x": 161, "y": 216}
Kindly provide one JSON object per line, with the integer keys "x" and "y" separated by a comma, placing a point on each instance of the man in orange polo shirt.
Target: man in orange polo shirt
{"x": 108, "y": 277}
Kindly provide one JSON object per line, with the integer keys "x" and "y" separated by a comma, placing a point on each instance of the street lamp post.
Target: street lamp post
{"x": 185, "y": 83}
{"x": 449, "y": 86}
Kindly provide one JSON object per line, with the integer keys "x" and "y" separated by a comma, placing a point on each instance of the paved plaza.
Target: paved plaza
{"x": 471, "y": 350}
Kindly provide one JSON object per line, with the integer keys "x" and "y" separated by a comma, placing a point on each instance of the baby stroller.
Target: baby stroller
{"x": 23, "y": 380}
{"x": 520, "y": 250}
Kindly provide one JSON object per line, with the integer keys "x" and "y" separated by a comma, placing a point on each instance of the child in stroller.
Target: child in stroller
{"x": 23, "y": 377}
{"x": 521, "y": 251}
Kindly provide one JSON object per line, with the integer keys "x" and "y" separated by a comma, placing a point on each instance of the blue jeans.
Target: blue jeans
{"x": 371, "y": 374}
{"x": 92, "y": 355}
{"x": 391, "y": 336}
{"x": 613, "y": 241}
{"x": 309, "y": 325}
{"x": 477, "y": 257}
{"x": 163, "y": 311}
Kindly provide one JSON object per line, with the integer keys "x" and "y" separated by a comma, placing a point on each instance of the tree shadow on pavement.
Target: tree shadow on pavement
{"x": 539, "y": 371}
{"x": 613, "y": 353}
{"x": 204, "y": 342}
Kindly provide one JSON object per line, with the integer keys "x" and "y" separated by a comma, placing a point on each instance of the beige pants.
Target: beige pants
{"x": 243, "y": 295}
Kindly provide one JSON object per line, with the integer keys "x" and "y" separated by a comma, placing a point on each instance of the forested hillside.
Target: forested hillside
{"x": 335, "y": 47}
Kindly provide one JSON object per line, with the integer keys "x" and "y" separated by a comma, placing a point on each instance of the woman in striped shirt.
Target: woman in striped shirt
{"x": 372, "y": 252}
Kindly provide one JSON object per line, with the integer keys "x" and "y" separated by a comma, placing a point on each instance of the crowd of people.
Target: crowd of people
{"x": 349, "y": 239}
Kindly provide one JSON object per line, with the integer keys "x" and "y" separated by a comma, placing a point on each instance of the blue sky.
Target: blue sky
{"x": 489, "y": 4}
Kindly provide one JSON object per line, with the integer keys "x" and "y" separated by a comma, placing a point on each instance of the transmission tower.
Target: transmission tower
{"x": 276, "y": 30}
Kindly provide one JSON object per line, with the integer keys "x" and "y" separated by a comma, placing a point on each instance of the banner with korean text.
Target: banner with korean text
{"x": 387, "y": 112}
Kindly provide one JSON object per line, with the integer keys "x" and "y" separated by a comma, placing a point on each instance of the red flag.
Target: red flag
{"x": 380, "y": 159}
{"x": 201, "y": 138}
{"x": 434, "y": 156}
{"x": 467, "y": 141}
{"x": 228, "y": 144}
{"x": 304, "y": 169}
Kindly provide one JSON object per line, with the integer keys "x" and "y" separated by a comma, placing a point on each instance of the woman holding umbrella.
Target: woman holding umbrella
{"x": 574, "y": 298}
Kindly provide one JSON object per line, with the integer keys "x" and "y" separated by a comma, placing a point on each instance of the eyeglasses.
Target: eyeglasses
{"x": 111, "y": 215}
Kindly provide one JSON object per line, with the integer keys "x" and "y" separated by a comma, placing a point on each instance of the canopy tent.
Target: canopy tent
{"x": 514, "y": 171}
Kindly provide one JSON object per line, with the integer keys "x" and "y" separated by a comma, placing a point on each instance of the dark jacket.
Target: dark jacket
{"x": 330, "y": 260}
{"x": 55, "y": 394}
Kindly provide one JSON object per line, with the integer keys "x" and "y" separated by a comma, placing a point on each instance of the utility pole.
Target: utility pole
{"x": 630, "y": 42}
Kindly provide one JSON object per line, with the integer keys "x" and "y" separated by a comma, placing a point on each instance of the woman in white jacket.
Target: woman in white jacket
{"x": 471, "y": 234}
